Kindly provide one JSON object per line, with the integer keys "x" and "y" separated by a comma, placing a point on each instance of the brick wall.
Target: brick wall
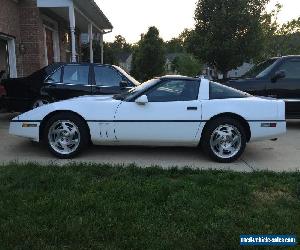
{"x": 32, "y": 36}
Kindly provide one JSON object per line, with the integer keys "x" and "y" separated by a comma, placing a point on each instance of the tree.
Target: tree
{"x": 149, "y": 56}
{"x": 174, "y": 46}
{"x": 280, "y": 39}
{"x": 186, "y": 64}
{"x": 227, "y": 33}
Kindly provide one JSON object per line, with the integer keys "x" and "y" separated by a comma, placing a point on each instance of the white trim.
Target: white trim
{"x": 101, "y": 48}
{"x": 88, "y": 19}
{"x": 12, "y": 59}
{"x": 54, "y": 3}
{"x": 72, "y": 29}
{"x": 90, "y": 28}
{"x": 11, "y": 45}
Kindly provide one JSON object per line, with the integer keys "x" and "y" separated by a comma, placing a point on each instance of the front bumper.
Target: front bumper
{"x": 27, "y": 129}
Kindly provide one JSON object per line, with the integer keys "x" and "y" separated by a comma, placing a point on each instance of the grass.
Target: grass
{"x": 111, "y": 207}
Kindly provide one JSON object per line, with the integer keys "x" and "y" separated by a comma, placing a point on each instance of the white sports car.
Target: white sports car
{"x": 166, "y": 111}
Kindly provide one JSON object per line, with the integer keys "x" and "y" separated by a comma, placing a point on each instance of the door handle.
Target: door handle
{"x": 52, "y": 86}
{"x": 272, "y": 96}
{"x": 192, "y": 108}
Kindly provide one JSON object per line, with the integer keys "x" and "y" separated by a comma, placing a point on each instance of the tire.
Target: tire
{"x": 66, "y": 135}
{"x": 40, "y": 101}
{"x": 224, "y": 139}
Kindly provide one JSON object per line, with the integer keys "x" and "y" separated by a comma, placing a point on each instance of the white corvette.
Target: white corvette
{"x": 167, "y": 111}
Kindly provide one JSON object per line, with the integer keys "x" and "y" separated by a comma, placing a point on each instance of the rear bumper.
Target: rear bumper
{"x": 1, "y": 103}
{"x": 14, "y": 104}
{"x": 259, "y": 130}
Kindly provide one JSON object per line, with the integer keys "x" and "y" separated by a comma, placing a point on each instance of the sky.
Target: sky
{"x": 131, "y": 18}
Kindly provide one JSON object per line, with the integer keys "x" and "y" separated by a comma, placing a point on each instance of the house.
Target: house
{"x": 212, "y": 73}
{"x": 240, "y": 71}
{"x": 170, "y": 57}
{"x": 35, "y": 33}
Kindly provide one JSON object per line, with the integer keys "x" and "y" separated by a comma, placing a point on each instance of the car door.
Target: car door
{"x": 172, "y": 115}
{"x": 288, "y": 87}
{"x": 74, "y": 81}
{"x": 108, "y": 81}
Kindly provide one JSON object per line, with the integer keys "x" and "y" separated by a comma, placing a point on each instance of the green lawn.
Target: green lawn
{"x": 106, "y": 207}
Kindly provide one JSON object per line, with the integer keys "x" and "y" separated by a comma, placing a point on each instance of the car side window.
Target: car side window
{"x": 55, "y": 77}
{"x": 219, "y": 91}
{"x": 292, "y": 69}
{"x": 106, "y": 76}
{"x": 76, "y": 74}
{"x": 174, "y": 90}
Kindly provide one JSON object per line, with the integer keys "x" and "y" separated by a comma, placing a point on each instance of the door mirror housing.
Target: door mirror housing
{"x": 49, "y": 81}
{"x": 278, "y": 75}
{"x": 123, "y": 84}
{"x": 142, "y": 100}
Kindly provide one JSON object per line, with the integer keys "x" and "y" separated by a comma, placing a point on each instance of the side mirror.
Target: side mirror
{"x": 278, "y": 75}
{"x": 49, "y": 81}
{"x": 142, "y": 100}
{"x": 123, "y": 84}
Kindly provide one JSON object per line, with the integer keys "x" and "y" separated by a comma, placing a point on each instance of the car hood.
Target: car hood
{"x": 86, "y": 106}
{"x": 91, "y": 97}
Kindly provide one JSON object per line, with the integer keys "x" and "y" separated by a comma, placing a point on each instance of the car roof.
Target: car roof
{"x": 288, "y": 57}
{"x": 79, "y": 63}
{"x": 179, "y": 77}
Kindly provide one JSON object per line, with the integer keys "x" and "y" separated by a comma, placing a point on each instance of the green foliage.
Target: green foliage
{"x": 174, "y": 46}
{"x": 186, "y": 64}
{"x": 227, "y": 33}
{"x": 111, "y": 51}
{"x": 177, "y": 44}
{"x": 113, "y": 207}
{"x": 149, "y": 56}
{"x": 282, "y": 39}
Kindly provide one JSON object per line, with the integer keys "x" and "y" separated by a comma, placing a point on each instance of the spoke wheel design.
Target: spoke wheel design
{"x": 226, "y": 141}
{"x": 40, "y": 103}
{"x": 64, "y": 137}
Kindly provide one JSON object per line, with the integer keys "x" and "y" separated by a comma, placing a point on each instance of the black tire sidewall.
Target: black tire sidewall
{"x": 81, "y": 125}
{"x": 209, "y": 129}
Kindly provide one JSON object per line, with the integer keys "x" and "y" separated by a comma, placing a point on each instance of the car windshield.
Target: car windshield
{"x": 129, "y": 77}
{"x": 261, "y": 69}
{"x": 137, "y": 90}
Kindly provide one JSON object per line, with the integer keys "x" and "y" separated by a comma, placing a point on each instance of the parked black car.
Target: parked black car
{"x": 61, "y": 81}
{"x": 277, "y": 78}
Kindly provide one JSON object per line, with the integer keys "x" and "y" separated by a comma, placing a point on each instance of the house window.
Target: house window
{"x": 51, "y": 42}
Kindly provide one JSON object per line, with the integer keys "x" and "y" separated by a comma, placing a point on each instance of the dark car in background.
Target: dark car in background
{"x": 277, "y": 78}
{"x": 60, "y": 81}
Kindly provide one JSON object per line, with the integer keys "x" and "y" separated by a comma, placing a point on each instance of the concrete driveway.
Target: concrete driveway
{"x": 282, "y": 155}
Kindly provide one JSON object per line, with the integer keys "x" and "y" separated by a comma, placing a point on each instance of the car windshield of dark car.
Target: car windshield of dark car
{"x": 135, "y": 91}
{"x": 44, "y": 72}
{"x": 129, "y": 77}
{"x": 39, "y": 73}
{"x": 261, "y": 69}
{"x": 219, "y": 91}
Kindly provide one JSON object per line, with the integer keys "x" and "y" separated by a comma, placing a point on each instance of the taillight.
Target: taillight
{"x": 2, "y": 90}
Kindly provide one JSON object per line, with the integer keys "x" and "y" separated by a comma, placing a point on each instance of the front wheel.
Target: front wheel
{"x": 224, "y": 140}
{"x": 66, "y": 135}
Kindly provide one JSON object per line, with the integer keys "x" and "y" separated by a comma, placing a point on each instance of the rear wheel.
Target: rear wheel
{"x": 224, "y": 140}
{"x": 66, "y": 135}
